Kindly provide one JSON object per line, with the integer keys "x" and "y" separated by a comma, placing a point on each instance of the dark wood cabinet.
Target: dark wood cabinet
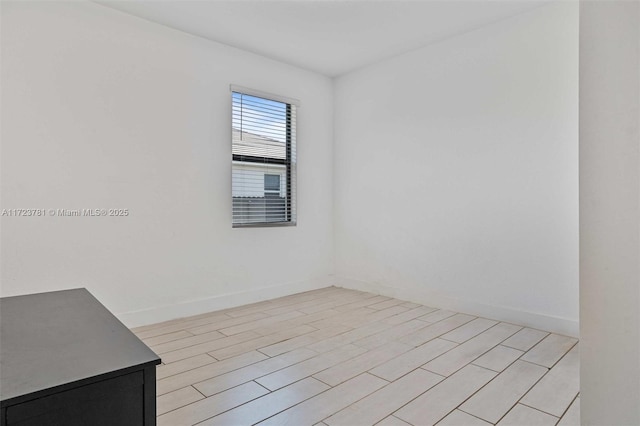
{"x": 66, "y": 360}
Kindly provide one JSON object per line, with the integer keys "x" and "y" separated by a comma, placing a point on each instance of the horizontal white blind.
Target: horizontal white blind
{"x": 264, "y": 161}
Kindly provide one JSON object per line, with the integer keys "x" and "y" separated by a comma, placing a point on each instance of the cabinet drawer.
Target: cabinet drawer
{"x": 117, "y": 401}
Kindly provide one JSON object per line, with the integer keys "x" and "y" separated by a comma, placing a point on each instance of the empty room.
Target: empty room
{"x": 320, "y": 212}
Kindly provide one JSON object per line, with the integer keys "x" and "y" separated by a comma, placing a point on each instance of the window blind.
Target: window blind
{"x": 263, "y": 167}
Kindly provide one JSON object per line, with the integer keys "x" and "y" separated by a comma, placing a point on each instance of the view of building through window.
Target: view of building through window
{"x": 263, "y": 149}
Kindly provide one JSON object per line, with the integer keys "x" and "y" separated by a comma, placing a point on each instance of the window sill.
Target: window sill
{"x": 263, "y": 225}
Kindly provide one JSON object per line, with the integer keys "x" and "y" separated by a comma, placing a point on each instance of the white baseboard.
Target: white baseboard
{"x": 224, "y": 301}
{"x": 559, "y": 325}
{"x": 539, "y": 321}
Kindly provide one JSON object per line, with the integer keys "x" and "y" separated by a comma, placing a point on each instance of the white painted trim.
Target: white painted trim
{"x": 536, "y": 320}
{"x": 225, "y": 301}
{"x": 266, "y": 95}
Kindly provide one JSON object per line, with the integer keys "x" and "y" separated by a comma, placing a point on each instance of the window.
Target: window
{"x": 272, "y": 184}
{"x": 263, "y": 164}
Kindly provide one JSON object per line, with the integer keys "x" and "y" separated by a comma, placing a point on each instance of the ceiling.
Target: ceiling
{"x": 325, "y": 36}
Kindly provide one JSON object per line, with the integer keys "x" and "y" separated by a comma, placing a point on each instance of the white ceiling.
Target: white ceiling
{"x": 329, "y": 37}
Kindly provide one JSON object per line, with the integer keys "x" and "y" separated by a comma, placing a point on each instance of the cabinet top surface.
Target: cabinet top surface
{"x": 61, "y": 337}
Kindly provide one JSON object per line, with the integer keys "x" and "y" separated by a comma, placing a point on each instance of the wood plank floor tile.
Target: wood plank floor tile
{"x": 469, "y": 330}
{"x": 196, "y": 375}
{"x": 269, "y": 405}
{"x": 383, "y": 359}
{"x": 498, "y": 358}
{"x": 493, "y": 401}
{"x": 311, "y": 309}
{"x": 304, "y": 340}
{"x": 401, "y": 365}
{"x": 179, "y": 325}
{"x": 183, "y": 321}
{"x": 572, "y": 415}
{"x": 316, "y": 316}
{"x": 205, "y": 347}
{"x": 222, "y": 315}
{"x": 264, "y": 306}
{"x": 386, "y": 304}
{"x": 298, "y": 304}
{"x": 391, "y": 334}
{"x": 392, "y": 421}
{"x": 555, "y": 392}
{"x": 302, "y": 320}
{"x": 309, "y": 367}
{"x": 176, "y": 399}
{"x": 252, "y": 372}
{"x": 282, "y": 310}
{"x": 261, "y": 342}
{"x": 432, "y": 331}
{"x": 325, "y": 404}
{"x": 378, "y": 315}
{"x": 360, "y": 304}
{"x": 253, "y": 308}
{"x": 433, "y": 405}
{"x": 436, "y": 316}
{"x": 214, "y": 326}
{"x": 167, "y": 370}
{"x": 468, "y": 351}
{"x": 368, "y": 360}
{"x": 385, "y": 401}
{"x": 460, "y": 418}
{"x": 549, "y": 350}
{"x": 522, "y": 415}
{"x": 164, "y": 338}
{"x": 212, "y": 406}
{"x": 319, "y": 303}
{"x": 248, "y": 326}
{"x": 349, "y": 337}
{"x": 413, "y": 313}
{"x": 343, "y": 318}
{"x": 525, "y": 339}
{"x": 185, "y": 342}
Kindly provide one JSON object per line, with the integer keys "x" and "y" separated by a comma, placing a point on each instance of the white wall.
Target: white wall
{"x": 104, "y": 110}
{"x": 455, "y": 168}
{"x": 610, "y": 212}
{"x": 456, "y": 172}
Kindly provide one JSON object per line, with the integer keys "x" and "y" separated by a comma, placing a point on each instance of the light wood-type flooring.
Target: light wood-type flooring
{"x": 342, "y": 357}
